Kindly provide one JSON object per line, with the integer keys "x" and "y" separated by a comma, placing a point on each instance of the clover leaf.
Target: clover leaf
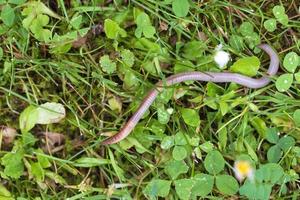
{"x": 270, "y": 25}
{"x": 284, "y": 82}
{"x": 279, "y": 13}
{"x": 180, "y": 7}
{"x": 214, "y": 162}
{"x": 291, "y": 61}
{"x": 157, "y": 188}
{"x": 8, "y": 15}
{"x": 144, "y": 26}
{"x": 113, "y": 30}
{"x": 297, "y": 77}
{"x": 247, "y": 66}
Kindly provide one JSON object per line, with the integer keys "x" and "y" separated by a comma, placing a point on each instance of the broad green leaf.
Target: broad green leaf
{"x": 274, "y": 154}
{"x": 5, "y": 193}
{"x": 286, "y": 142}
{"x": 246, "y": 28}
{"x": 8, "y": 15}
{"x": 167, "y": 142}
{"x": 284, "y": 20}
{"x": 213, "y": 90}
{"x": 7, "y": 67}
{"x": 180, "y": 7}
{"x": 183, "y": 66}
{"x": 157, "y": 128}
{"x": 28, "y": 118}
{"x": 163, "y": 114}
{"x": 227, "y": 184}
{"x": 236, "y": 42}
{"x": 76, "y": 21}
{"x": 297, "y": 76}
{"x": 107, "y": 64}
{"x": 278, "y": 11}
{"x": 247, "y": 66}
{"x": 203, "y": 185}
{"x": 113, "y": 30}
{"x": 13, "y": 164}
{"x": 43, "y": 160}
{"x": 179, "y": 153}
{"x": 157, "y": 188}
{"x": 36, "y": 8}
{"x": 190, "y": 117}
{"x": 28, "y": 139}
{"x": 50, "y": 112}
{"x": 272, "y": 135}
{"x": 260, "y": 126}
{"x": 37, "y": 171}
{"x": 149, "y": 31}
{"x": 174, "y": 168}
{"x": 253, "y": 39}
{"x": 130, "y": 80}
{"x": 291, "y": 61}
{"x": 193, "y": 50}
{"x": 207, "y": 146}
{"x": 115, "y": 104}
{"x": 284, "y": 82}
{"x": 180, "y": 138}
{"x": 127, "y": 57}
{"x": 194, "y": 141}
{"x": 142, "y": 136}
{"x": 142, "y": 19}
{"x": 166, "y": 95}
{"x": 270, "y": 25}
{"x": 270, "y": 172}
{"x": 184, "y": 187}
{"x": 16, "y": 2}
{"x": 296, "y": 117}
{"x": 91, "y": 162}
{"x": 256, "y": 191}
{"x": 214, "y": 162}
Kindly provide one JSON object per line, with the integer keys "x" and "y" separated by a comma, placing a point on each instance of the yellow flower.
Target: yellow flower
{"x": 243, "y": 169}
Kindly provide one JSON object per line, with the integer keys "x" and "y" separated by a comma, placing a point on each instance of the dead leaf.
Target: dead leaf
{"x": 163, "y": 26}
{"x": 53, "y": 141}
{"x": 8, "y": 135}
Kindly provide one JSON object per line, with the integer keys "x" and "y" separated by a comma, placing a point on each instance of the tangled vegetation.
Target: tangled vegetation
{"x": 72, "y": 72}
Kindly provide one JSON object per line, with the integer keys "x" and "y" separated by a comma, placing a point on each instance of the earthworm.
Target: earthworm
{"x": 217, "y": 77}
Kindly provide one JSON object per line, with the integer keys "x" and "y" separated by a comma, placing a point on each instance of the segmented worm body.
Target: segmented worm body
{"x": 217, "y": 77}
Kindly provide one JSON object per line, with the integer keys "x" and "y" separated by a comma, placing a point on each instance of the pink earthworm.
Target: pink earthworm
{"x": 217, "y": 77}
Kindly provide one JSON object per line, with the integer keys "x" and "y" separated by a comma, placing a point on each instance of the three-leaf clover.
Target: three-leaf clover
{"x": 281, "y": 17}
{"x": 144, "y": 26}
{"x": 280, "y": 145}
{"x": 37, "y": 17}
{"x": 251, "y": 37}
{"x": 290, "y": 63}
{"x": 279, "y": 13}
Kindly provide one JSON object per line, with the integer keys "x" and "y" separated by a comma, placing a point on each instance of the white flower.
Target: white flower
{"x": 221, "y": 57}
{"x": 243, "y": 169}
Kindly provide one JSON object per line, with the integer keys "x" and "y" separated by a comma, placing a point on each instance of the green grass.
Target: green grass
{"x": 69, "y": 53}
